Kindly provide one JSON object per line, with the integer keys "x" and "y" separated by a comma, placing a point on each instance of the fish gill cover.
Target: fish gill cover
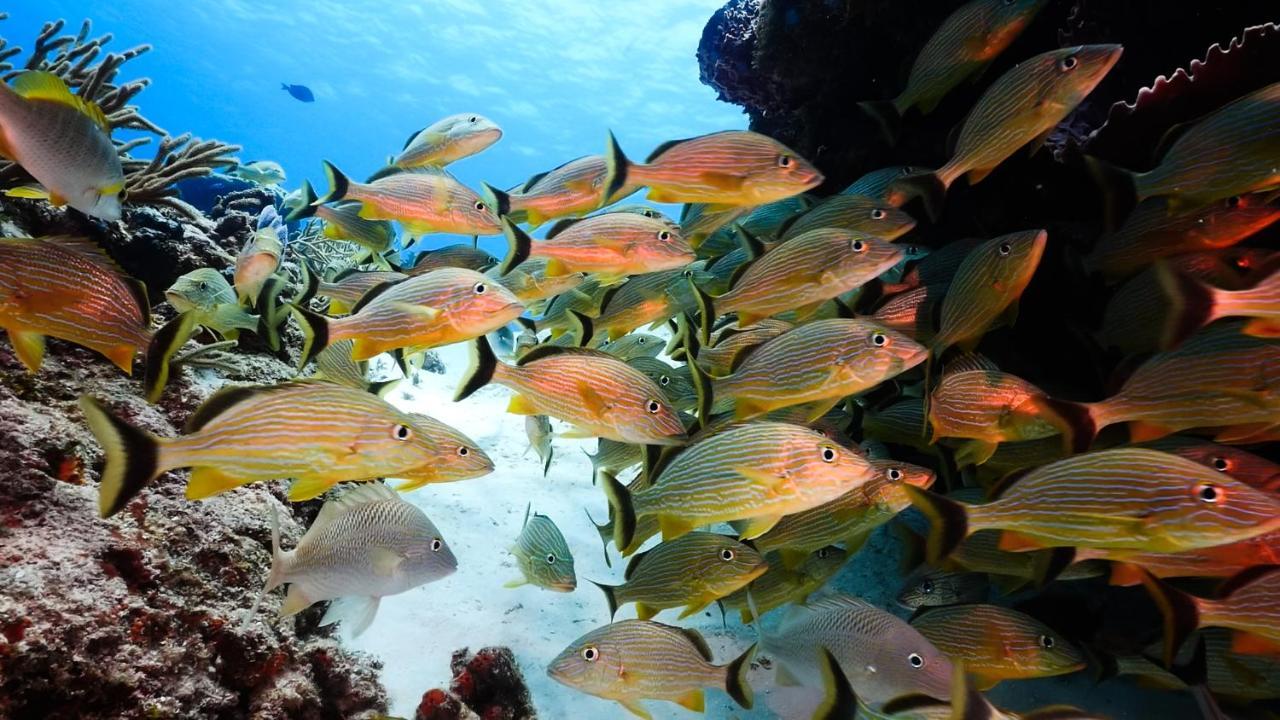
{"x": 1010, "y": 262}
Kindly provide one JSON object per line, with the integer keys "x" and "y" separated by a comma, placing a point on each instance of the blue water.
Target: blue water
{"x": 554, "y": 74}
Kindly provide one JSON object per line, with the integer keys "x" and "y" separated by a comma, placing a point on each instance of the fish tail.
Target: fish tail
{"x": 584, "y": 328}
{"x": 604, "y": 536}
{"x": 1192, "y": 305}
{"x": 498, "y": 200}
{"x": 735, "y": 679}
{"x": 164, "y": 343}
{"x": 1180, "y": 611}
{"x": 308, "y": 207}
{"x": 483, "y": 366}
{"x": 624, "y": 513}
{"x": 275, "y": 576}
{"x": 1049, "y": 564}
{"x": 706, "y": 311}
{"x": 948, "y": 521}
{"x": 519, "y": 244}
{"x": 383, "y": 388}
{"x": 315, "y": 333}
{"x": 609, "y": 596}
{"x": 310, "y": 283}
{"x": 616, "y": 168}
{"x": 928, "y": 186}
{"x": 270, "y": 311}
{"x": 886, "y": 116}
{"x": 1119, "y": 188}
{"x": 132, "y": 456}
{"x": 1076, "y": 421}
{"x": 839, "y": 699}
{"x": 339, "y": 185}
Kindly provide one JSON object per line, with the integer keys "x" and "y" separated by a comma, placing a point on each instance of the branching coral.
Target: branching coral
{"x": 84, "y": 64}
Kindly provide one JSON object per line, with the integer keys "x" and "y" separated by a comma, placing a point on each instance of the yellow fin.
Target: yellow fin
{"x": 514, "y": 583}
{"x": 307, "y": 488}
{"x": 723, "y": 181}
{"x": 28, "y": 192}
{"x": 697, "y": 605}
{"x": 1263, "y": 327}
{"x": 207, "y": 481}
{"x": 673, "y": 527}
{"x": 746, "y": 318}
{"x": 521, "y": 405}
{"x": 556, "y": 267}
{"x": 425, "y": 311}
{"x": 122, "y": 357}
{"x": 294, "y": 601}
{"x": 758, "y": 526}
{"x": 759, "y": 476}
{"x": 575, "y": 433}
{"x": 38, "y": 85}
{"x": 636, "y": 709}
{"x": 975, "y": 452}
{"x": 693, "y": 700}
{"x": 644, "y": 612}
{"x": 792, "y": 559}
{"x": 29, "y": 347}
{"x": 593, "y": 400}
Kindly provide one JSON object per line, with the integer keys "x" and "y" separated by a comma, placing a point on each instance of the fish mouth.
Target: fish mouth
{"x": 915, "y": 357}
{"x": 564, "y": 587}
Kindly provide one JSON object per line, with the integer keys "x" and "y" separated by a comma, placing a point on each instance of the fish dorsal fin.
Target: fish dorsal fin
{"x": 664, "y": 147}
{"x": 634, "y": 563}
{"x": 545, "y": 351}
{"x": 221, "y": 401}
{"x": 38, "y": 85}
{"x": 695, "y": 637}
{"x": 88, "y": 248}
{"x": 971, "y": 361}
{"x": 344, "y": 273}
{"x": 373, "y": 292}
{"x": 837, "y": 602}
{"x": 561, "y": 225}
{"x": 138, "y": 290}
{"x": 533, "y": 180}
{"x": 527, "y": 509}
{"x": 357, "y": 494}
{"x": 413, "y": 136}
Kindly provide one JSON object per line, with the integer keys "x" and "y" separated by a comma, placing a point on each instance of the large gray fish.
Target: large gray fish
{"x": 363, "y": 546}
{"x": 543, "y": 555}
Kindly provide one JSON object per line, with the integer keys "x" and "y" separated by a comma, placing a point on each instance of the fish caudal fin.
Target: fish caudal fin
{"x": 160, "y": 351}
{"x": 519, "y": 245}
{"x": 132, "y": 456}
{"x": 355, "y": 612}
{"x": 271, "y": 311}
{"x": 275, "y": 577}
{"x": 1180, "y": 610}
{"x": 616, "y": 167}
{"x": 308, "y": 207}
{"x": 498, "y": 200}
{"x": 948, "y": 521}
{"x": 1075, "y": 421}
{"x": 339, "y": 185}
{"x": 624, "y": 514}
{"x": 1119, "y": 189}
{"x": 928, "y": 186}
{"x": 483, "y": 365}
{"x": 1191, "y": 305}
{"x": 885, "y": 114}
{"x": 735, "y": 679}
{"x": 610, "y": 597}
{"x": 839, "y": 701}
{"x": 315, "y": 333}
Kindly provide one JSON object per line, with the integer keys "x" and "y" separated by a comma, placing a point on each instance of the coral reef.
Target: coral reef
{"x": 487, "y": 685}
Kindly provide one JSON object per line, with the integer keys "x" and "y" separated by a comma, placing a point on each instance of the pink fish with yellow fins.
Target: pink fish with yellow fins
{"x": 1196, "y": 304}
{"x": 570, "y": 190}
{"x": 1248, "y": 604}
{"x": 423, "y": 201}
{"x": 64, "y": 142}
{"x": 609, "y": 246}
{"x": 318, "y": 433}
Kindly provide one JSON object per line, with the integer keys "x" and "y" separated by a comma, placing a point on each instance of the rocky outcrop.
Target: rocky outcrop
{"x": 485, "y": 686}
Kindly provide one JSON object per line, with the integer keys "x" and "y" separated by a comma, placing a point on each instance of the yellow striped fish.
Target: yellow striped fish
{"x": 781, "y": 585}
{"x": 542, "y": 555}
{"x": 70, "y": 289}
{"x": 211, "y": 301}
{"x": 424, "y": 201}
{"x": 1250, "y": 605}
{"x": 342, "y": 223}
{"x": 998, "y": 643}
{"x": 818, "y": 364}
{"x": 1022, "y": 106}
{"x": 320, "y": 434}
{"x": 648, "y": 299}
{"x": 530, "y": 283}
{"x": 852, "y": 212}
{"x": 986, "y": 286}
{"x": 570, "y": 190}
{"x": 600, "y": 395}
{"x": 692, "y": 571}
{"x": 730, "y": 343}
{"x": 757, "y": 472}
{"x": 444, "y": 306}
{"x": 636, "y": 660}
{"x": 803, "y": 273}
{"x": 933, "y": 587}
{"x": 460, "y": 255}
{"x": 348, "y": 286}
{"x": 610, "y": 246}
{"x": 733, "y": 167}
{"x": 1126, "y": 499}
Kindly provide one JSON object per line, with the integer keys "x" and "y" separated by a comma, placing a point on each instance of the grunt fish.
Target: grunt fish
{"x": 543, "y": 556}
{"x": 423, "y": 201}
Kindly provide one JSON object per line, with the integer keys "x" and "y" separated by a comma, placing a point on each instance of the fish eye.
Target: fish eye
{"x": 1221, "y": 464}
{"x": 590, "y": 653}
{"x": 480, "y": 205}
{"x": 463, "y": 451}
{"x": 727, "y": 554}
{"x": 663, "y": 380}
{"x": 879, "y": 339}
{"x": 878, "y": 214}
{"x": 784, "y": 161}
{"x": 915, "y": 660}
{"x": 436, "y": 544}
{"x": 204, "y": 285}
{"x": 1068, "y": 63}
{"x": 926, "y": 587}
{"x": 473, "y": 118}
{"x": 858, "y": 246}
{"x": 687, "y": 274}
{"x": 828, "y": 454}
{"x": 649, "y": 213}
{"x": 822, "y": 553}
{"x": 640, "y": 341}
{"x": 551, "y": 559}
{"x": 895, "y": 474}
{"x": 653, "y": 407}
{"x": 401, "y": 432}
{"x": 1233, "y": 201}
{"x": 1046, "y": 642}
{"x": 664, "y": 235}
{"x": 1209, "y": 493}
{"x": 480, "y": 288}
{"x": 1004, "y": 249}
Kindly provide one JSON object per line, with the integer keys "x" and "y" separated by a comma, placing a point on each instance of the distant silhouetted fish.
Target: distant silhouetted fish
{"x": 299, "y": 92}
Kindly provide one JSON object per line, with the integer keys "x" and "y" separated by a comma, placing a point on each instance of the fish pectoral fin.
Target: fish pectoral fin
{"x": 1263, "y": 328}
{"x": 792, "y": 559}
{"x": 758, "y": 526}
{"x": 515, "y": 583}
{"x": 1246, "y": 643}
{"x": 295, "y": 601}
{"x": 425, "y": 312}
{"x": 355, "y": 612}
{"x": 694, "y": 700}
{"x": 521, "y": 405}
{"x": 598, "y": 404}
{"x": 636, "y": 708}
{"x": 308, "y": 488}
{"x": 694, "y": 607}
{"x": 1011, "y": 541}
{"x": 760, "y": 477}
{"x": 723, "y": 181}
{"x": 673, "y": 527}
{"x": 28, "y": 192}
{"x": 645, "y": 612}
{"x": 556, "y": 268}
{"x": 29, "y": 347}
{"x": 207, "y": 481}
{"x": 386, "y": 562}
{"x": 785, "y": 677}
{"x": 975, "y": 452}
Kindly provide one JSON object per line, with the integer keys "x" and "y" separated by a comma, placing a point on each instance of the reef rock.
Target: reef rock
{"x": 487, "y": 685}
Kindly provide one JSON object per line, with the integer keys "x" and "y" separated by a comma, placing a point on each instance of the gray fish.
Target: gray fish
{"x": 931, "y": 587}
{"x": 543, "y": 555}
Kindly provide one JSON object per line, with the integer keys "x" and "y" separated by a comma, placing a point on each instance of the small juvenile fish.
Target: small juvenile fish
{"x": 614, "y": 457}
{"x": 64, "y": 142}
{"x": 733, "y": 167}
{"x": 932, "y": 587}
{"x": 676, "y": 382}
{"x": 343, "y": 223}
{"x": 1022, "y": 106}
{"x": 424, "y": 201}
{"x": 803, "y": 273}
{"x": 212, "y": 303}
{"x": 543, "y": 555}
{"x": 636, "y": 660}
{"x": 1124, "y": 499}
{"x": 570, "y": 190}
{"x": 538, "y": 430}
{"x": 364, "y": 545}
{"x": 781, "y": 585}
{"x": 448, "y": 140}
{"x": 610, "y": 247}
{"x": 301, "y": 93}
{"x": 1250, "y": 605}
{"x": 320, "y": 434}
{"x": 261, "y": 172}
{"x": 881, "y": 655}
{"x": 986, "y": 286}
{"x": 460, "y": 256}
{"x": 600, "y": 395}
{"x": 258, "y": 260}
{"x": 855, "y": 213}
{"x": 997, "y": 643}
{"x": 634, "y": 346}
{"x": 443, "y": 306}
{"x": 692, "y": 571}
{"x": 1196, "y": 304}
{"x": 818, "y": 363}
{"x": 757, "y": 472}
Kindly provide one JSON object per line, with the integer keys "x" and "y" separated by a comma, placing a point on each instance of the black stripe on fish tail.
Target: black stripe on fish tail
{"x": 948, "y": 522}
{"x": 271, "y": 312}
{"x": 1119, "y": 189}
{"x": 839, "y": 701}
{"x": 132, "y": 457}
{"x": 1191, "y": 305}
{"x": 624, "y": 514}
{"x": 1049, "y": 564}
{"x": 308, "y": 207}
{"x": 315, "y": 333}
{"x": 1076, "y": 423}
{"x": 584, "y": 329}
{"x": 483, "y": 365}
{"x": 926, "y": 186}
{"x": 735, "y": 680}
{"x": 886, "y": 117}
{"x": 1180, "y": 611}
{"x": 519, "y": 245}
{"x": 609, "y": 597}
{"x": 499, "y": 201}
{"x": 160, "y": 351}
{"x": 616, "y": 167}
{"x": 339, "y": 185}
{"x": 706, "y": 313}
{"x": 310, "y": 284}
